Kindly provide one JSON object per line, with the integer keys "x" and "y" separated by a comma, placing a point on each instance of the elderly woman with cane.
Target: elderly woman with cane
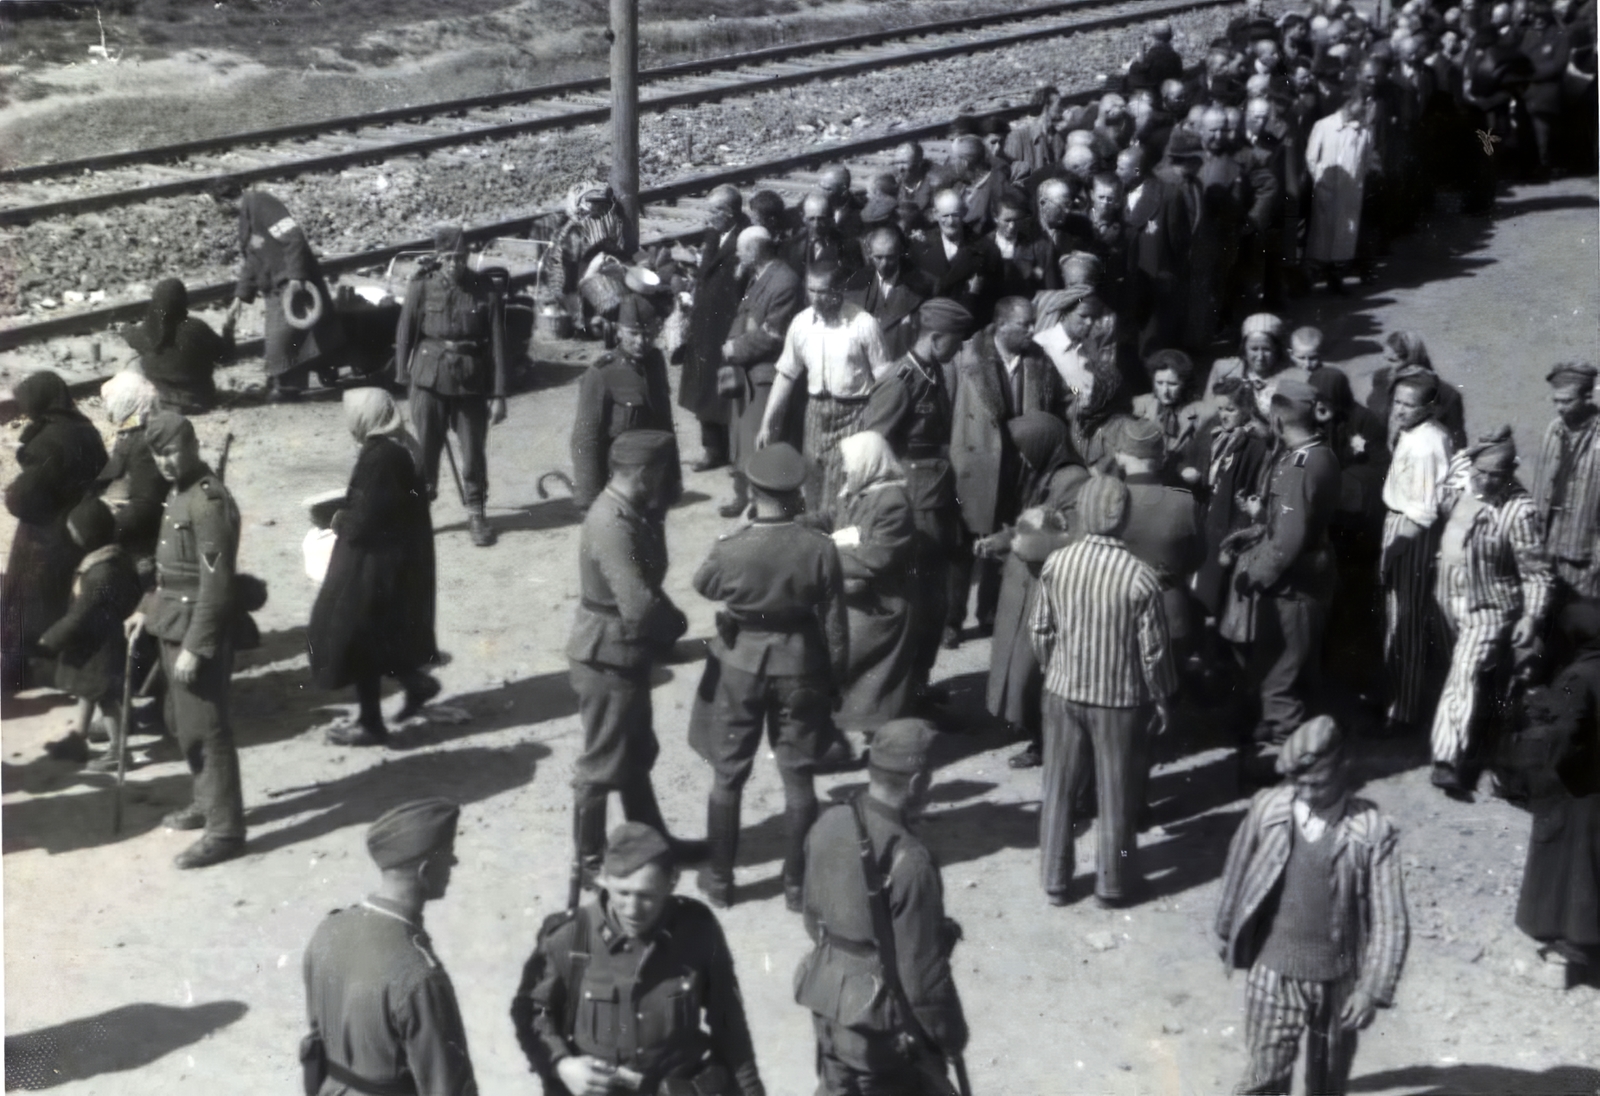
{"x": 374, "y": 614}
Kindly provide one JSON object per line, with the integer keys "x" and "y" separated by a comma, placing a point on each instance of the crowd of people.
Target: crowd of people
{"x": 1001, "y": 388}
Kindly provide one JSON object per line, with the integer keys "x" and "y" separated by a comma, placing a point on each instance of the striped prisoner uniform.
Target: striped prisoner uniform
{"x": 1405, "y": 567}
{"x": 1100, "y": 687}
{"x": 1366, "y": 925}
{"x": 1502, "y": 575}
{"x": 1566, "y": 492}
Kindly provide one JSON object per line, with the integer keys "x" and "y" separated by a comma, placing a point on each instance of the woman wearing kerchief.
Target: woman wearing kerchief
{"x": 1185, "y": 422}
{"x": 179, "y": 353}
{"x": 1406, "y": 355}
{"x": 1234, "y": 470}
{"x": 1263, "y": 361}
{"x": 130, "y": 484}
{"x": 872, "y": 526}
{"x": 60, "y": 454}
{"x": 1051, "y": 478}
{"x": 374, "y": 614}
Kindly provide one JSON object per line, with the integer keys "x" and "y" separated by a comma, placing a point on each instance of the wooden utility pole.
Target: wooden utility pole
{"x": 625, "y": 115}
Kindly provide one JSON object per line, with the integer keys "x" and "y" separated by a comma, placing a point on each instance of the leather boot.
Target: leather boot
{"x": 797, "y": 820}
{"x": 589, "y": 831}
{"x": 479, "y": 529}
{"x": 722, "y": 835}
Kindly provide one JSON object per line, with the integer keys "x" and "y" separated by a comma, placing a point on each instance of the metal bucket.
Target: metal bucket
{"x": 552, "y": 322}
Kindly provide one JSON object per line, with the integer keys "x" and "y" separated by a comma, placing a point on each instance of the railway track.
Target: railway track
{"x": 117, "y": 179}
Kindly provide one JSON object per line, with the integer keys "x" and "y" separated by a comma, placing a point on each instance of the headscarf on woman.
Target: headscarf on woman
{"x": 169, "y": 307}
{"x": 867, "y": 461}
{"x": 1045, "y": 444}
{"x": 129, "y": 397}
{"x": 372, "y": 412}
{"x": 43, "y": 395}
{"x": 1410, "y": 349}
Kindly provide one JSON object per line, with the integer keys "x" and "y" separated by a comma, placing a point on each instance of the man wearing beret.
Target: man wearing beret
{"x": 625, "y": 621}
{"x": 382, "y": 1010}
{"x": 780, "y": 653}
{"x": 636, "y": 991}
{"x": 1288, "y": 563}
{"x": 450, "y": 350}
{"x": 1566, "y": 481}
{"x": 190, "y": 612}
{"x": 1494, "y": 586}
{"x": 865, "y": 1041}
{"x": 1313, "y": 907}
{"x": 625, "y": 389}
{"x": 912, "y": 408}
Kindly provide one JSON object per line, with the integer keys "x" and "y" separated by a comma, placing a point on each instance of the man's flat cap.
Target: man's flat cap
{"x": 1581, "y": 374}
{"x": 635, "y": 311}
{"x": 945, "y": 316}
{"x": 1495, "y": 451}
{"x": 637, "y": 448}
{"x": 1312, "y": 741}
{"x": 1295, "y": 393}
{"x": 631, "y": 846}
{"x": 412, "y": 831}
{"x": 776, "y": 469}
{"x": 449, "y": 240}
{"x": 1183, "y": 145}
{"x": 164, "y": 429}
{"x": 1141, "y": 438}
{"x": 901, "y": 746}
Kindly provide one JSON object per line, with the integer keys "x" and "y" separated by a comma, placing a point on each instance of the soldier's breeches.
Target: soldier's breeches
{"x": 855, "y": 1063}
{"x": 433, "y": 417}
{"x": 1277, "y": 1011}
{"x": 619, "y": 742}
{"x": 197, "y": 713}
{"x": 1287, "y": 657}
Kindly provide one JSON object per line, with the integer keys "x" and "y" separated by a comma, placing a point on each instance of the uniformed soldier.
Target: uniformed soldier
{"x": 450, "y": 349}
{"x": 778, "y": 658}
{"x": 1291, "y": 568}
{"x": 383, "y": 1013}
{"x": 190, "y": 612}
{"x": 625, "y": 389}
{"x": 635, "y": 991}
{"x": 865, "y": 1041}
{"x": 625, "y": 621}
{"x": 911, "y": 407}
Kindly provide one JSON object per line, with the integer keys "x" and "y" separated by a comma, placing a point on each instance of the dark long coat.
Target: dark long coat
{"x": 60, "y": 454}
{"x": 1560, "y": 897}
{"x": 374, "y": 614}
{"x": 135, "y": 490}
{"x": 88, "y": 640}
{"x": 716, "y": 299}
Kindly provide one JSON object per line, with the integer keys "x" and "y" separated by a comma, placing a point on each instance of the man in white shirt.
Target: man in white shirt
{"x": 1410, "y": 541}
{"x": 836, "y": 349}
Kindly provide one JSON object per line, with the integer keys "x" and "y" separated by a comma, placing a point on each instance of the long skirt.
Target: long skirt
{"x": 1560, "y": 897}
{"x": 37, "y": 592}
{"x": 882, "y": 661}
{"x": 1016, "y": 681}
{"x": 829, "y": 420}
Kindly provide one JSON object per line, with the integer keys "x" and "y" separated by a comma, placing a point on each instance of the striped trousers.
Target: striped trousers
{"x": 1409, "y": 626}
{"x": 1479, "y": 639}
{"x": 1277, "y": 1010}
{"x": 828, "y": 421}
{"x": 1115, "y": 741}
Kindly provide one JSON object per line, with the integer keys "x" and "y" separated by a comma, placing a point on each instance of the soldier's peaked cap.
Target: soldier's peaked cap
{"x": 412, "y": 831}
{"x": 901, "y": 746}
{"x": 631, "y": 846}
{"x": 164, "y": 429}
{"x": 777, "y": 469}
{"x": 637, "y": 448}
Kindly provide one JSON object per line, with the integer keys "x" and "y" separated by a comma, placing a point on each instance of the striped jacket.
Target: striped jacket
{"x": 1566, "y": 490}
{"x": 1369, "y": 900}
{"x": 1507, "y": 567}
{"x": 1099, "y": 596}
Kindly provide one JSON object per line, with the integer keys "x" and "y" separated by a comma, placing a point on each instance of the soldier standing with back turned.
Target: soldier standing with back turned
{"x": 190, "y": 612}
{"x": 450, "y": 350}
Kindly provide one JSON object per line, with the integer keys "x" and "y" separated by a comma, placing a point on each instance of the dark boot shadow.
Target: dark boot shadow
{"x": 1481, "y": 1080}
{"x": 111, "y": 1042}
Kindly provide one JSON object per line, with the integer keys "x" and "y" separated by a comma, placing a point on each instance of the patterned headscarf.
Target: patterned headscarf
{"x": 867, "y": 461}
{"x": 129, "y": 397}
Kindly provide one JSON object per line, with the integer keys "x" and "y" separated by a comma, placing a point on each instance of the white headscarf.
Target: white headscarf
{"x": 867, "y": 461}
{"x": 129, "y": 397}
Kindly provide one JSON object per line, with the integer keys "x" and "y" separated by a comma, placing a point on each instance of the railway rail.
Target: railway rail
{"x": 117, "y": 179}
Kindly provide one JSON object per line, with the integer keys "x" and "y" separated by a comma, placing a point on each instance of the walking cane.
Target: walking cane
{"x": 120, "y": 741}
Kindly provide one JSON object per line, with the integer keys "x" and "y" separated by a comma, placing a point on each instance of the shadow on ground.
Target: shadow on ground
{"x": 1481, "y": 1080}
{"x": 122, "y": 1039}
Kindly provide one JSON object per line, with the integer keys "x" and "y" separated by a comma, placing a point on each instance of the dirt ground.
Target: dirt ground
{"x": 124, "y": 975}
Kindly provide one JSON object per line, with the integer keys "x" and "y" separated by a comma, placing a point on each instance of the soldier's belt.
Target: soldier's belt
{"x": 860, "y": 949}
{"x": 600, "y": 607}
{"x": 773, "y": 622}
{"x": 402, "y": 1087}
{"x": 460, "y": 346}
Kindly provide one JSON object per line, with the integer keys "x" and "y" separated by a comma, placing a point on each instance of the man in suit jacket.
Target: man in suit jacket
{"x": 981, "y": 182}
{"x": 999, "y": 374}
{"x": 952, "y": 260}
{"x": 716, "y": 298}
{"x": 772, "y": 296}
{"x": 1162, "y": 216}
{"x": 1313, "y": 907}
{"x": 889, "y": 288}
{"x": 1240, "y": 197}
{"x": 819, "y": 241}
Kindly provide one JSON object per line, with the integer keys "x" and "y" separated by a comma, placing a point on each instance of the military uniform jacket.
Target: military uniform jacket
{"x": 383, "y": 1005}
{"x": 911, "y": 407}
{"x": 616, "y": 395}
{"x": 656, "y": 1005}
{"x": 624, "y": 617}
{"x": 452, "y": 335}
{"x": 839, "y": 920}
{"x": 1301, "y": 498}
{"x": 783, "y": 585}
{"x": 1163, "y": 529}
{"x": 195, "y": 558}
